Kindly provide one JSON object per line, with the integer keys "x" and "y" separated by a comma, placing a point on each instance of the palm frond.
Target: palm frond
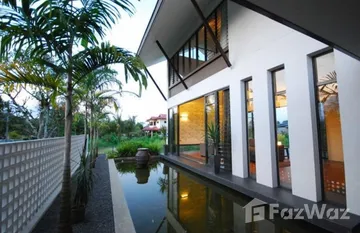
{"x": 91, "y": 59}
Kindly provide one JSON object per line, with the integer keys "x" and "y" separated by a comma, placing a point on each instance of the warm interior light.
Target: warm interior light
{"x": 184, "y": 195}
{"x": 279, "y": 143}
{"x": 184, "y": 117}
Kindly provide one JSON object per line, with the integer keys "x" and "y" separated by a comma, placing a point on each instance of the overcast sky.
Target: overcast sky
{"x": 128, "y": 34}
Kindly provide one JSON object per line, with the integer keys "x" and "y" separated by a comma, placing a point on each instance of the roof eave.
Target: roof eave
{"x": 148, "y": 27}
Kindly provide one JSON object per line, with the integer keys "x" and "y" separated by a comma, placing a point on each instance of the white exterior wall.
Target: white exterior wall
{"x": 348, "y": 76}
{"x": 158, "y": 123}
{"x": 256, "y": 45}
{"x": 161, "y": 123}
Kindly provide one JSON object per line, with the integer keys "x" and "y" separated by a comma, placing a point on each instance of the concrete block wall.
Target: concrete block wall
{"x": 30, "y": 179}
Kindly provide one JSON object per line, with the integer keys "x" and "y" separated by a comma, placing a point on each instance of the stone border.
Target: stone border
{"x": 122, "y": 219}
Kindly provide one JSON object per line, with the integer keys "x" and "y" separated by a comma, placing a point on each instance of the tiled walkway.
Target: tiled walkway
{"x": 99, "y": 212}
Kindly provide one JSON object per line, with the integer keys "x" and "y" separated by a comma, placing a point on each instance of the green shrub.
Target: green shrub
{"x": 283, "y": 138}
{"x": 129, "y": 147}
{"x": 108, "y": 140}
{"x": 15, "y": 135}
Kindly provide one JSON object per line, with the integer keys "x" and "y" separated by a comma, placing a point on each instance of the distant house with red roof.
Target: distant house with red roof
{"x": 155, "y": 123}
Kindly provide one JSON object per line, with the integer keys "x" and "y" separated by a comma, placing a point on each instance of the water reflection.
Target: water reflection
{"x": 142, "y": 175}
{"x": 174, "y": 201}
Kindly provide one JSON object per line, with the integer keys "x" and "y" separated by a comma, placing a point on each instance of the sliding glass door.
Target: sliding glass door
{"x": 210, "y": 120}
{"x": 329, "y": 129}
{"x": 224, "y": 129}
{"x": 217, "y": 114}
{"x": 250, "y": 128}
{"x": 281, "y": 128}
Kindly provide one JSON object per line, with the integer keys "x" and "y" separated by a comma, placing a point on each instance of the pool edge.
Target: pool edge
{"x": 122, "y": 219}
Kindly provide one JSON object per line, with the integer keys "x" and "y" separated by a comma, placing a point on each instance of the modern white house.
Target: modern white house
{"x": 285, "y": 103}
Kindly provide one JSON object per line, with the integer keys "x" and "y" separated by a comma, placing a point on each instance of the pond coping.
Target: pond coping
{"x": 122, "y": 219}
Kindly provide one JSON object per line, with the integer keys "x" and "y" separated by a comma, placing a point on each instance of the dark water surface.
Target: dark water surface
{"x": 168, "y": 199}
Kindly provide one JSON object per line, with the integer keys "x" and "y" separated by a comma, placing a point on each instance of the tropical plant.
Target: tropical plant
{"x": 58, "y": 29}
{"x": 84, "y": 182}
{"x": 212, "y": 134}
{"x": 163, "y": 131}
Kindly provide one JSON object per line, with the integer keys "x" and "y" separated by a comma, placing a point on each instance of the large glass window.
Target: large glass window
{"x": 330, "y": 138}
{"x": 191, "y": 129}
{"x": 281, "y": 128}
{"x": 200, "y": 47}
{"x": 250, "y": 129}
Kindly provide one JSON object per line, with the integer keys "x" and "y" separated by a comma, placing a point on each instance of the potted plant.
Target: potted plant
{"x": 83, "y": 184}
{"x": 163, "y": 131}
{"x": 212, "y": 135}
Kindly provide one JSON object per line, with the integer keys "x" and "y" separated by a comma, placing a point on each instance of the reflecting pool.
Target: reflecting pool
{"x": 167, "y": 199}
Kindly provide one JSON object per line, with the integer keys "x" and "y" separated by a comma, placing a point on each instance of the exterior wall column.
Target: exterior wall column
{"x": 348, "y": 78}
{"x": 303, "y": 139}
{"x": 238, "y": 130}
{"x": 265, "y": 155}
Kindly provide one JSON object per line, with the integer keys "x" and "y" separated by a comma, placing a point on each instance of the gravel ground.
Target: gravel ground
{"x": 99, "y": 213}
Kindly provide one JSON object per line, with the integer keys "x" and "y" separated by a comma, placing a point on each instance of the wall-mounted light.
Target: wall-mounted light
{"x": 184, "y": 117}
{"x": 184, "y": 195}
{"x": 279, "y": 143}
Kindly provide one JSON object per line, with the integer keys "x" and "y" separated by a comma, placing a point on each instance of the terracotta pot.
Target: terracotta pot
{"x": 142, "y": 158}
{"x": 77, "y": 214}
{"x": 142, "y": 175}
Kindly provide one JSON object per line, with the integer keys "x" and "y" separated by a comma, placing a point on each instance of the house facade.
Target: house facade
{"x": 155, "y": 123}
{"x": 284, "y": 103}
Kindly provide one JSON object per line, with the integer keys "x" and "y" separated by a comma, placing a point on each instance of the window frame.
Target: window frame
{"x": 320, "y": 144}
{"x": 273, "y": 94}
{"x": 245, "y": 87}
{"x": 222, "y": 4}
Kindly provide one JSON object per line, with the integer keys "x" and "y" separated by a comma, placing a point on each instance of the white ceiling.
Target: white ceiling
{"x": 172, "y": 23}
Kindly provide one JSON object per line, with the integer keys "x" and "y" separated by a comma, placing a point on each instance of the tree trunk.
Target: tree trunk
{"x": 46, "y": 123}
{"x": 65, "y": 204}
{"x": 85, "y": 120}
{"x": 7, "y": 126}
{"x": 41, "y": 123}
{"x": 96, "y": 143}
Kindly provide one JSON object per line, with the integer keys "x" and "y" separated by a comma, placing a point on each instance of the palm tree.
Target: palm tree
{"x": 57, "y": 29}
